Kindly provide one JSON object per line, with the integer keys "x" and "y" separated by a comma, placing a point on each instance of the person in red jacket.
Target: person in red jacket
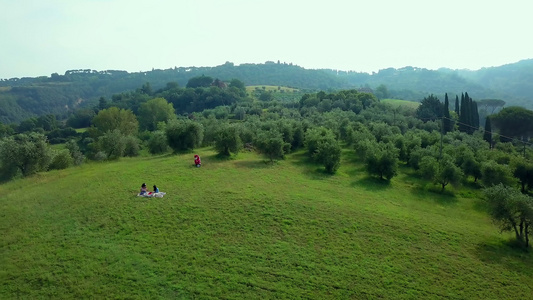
{"x": 197, "y": 161}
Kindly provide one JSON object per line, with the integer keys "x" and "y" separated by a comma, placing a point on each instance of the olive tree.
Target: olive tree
{"x": 184, "y": 134}
{"x": 441, "y": 172}
{"x": 511, "y": 211}
{"x": 24, "y": 153}
{"x": 227, "y": 140}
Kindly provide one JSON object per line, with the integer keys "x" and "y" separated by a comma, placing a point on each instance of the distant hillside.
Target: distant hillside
{"x": 21, "y": 98}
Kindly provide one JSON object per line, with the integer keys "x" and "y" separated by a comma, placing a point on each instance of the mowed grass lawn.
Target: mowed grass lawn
{"x": 242, "y": 228}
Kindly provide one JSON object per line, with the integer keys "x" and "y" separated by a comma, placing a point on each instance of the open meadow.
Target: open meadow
{"x": 242, "y": 228}
{"x": 398, "y": 102}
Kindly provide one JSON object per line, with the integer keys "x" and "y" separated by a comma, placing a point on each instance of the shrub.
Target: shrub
{"x": 184, "y": 135}
{"x": 227, "y": 140}
{"x": 157, "y": 143}
{"x": 131, "y": 144}
{"x": 61, "y": 160}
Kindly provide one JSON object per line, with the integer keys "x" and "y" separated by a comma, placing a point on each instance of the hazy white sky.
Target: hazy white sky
{"x": 40, "y": 37}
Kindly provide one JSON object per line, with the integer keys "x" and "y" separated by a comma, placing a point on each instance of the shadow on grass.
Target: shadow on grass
{"x": 372, "y": 183}
{"x": 432, "y": 192}
{"x": 300, "y": 158}
{"x": 217, "y": 158}
{"x": 255, "y": 164}
{"x": 508, "y": 254}
{"x": 159, "y": 156}
{"x": 312, "y": 170}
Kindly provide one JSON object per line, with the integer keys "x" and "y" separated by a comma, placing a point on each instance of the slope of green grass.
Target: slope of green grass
{"x": 245, "y": 229}
{"x": 398, "y": 102}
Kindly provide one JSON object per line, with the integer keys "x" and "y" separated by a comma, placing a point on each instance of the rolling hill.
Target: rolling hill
{"x": 242, "y": 228}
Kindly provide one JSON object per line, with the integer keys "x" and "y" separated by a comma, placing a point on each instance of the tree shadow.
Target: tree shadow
{"x": 300, "y": 158}
{"x": 507, "y": 253}
{"x": 255, "y": 164}
{"x": 431, "y": 192}
{"x": 217, "y": 158}
{"x": 372, "y": 183}
{"x": 159, "y": 156}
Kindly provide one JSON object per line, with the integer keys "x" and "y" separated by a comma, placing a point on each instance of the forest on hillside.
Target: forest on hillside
{"x": 21, "y": 98}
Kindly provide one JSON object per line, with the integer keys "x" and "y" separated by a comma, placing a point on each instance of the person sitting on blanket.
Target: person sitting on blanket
{"x": 197, "y": 161}
{"x": 143, "y": 189}
{"x": 156, "y": 190}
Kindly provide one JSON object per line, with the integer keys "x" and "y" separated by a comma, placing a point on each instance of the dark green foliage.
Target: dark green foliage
{"x": 382, "y": 92}
{"x": 81, "y": 119}
{"x": 236, "y": 83}
{"x": 471, "y": 166}
{"x": 514, "y": 122}
{"x": 457, "y": 107}
{"x": 6, "y": 130}
{"x": 47, "y": 122}
{"x": 113, "y": 144}
{"x": 323, "y": 148}
{"x": 418, "y": 153}
{"x": 347, "y": 100}
{"x": 61, "y": 160}
{"x": 430, "y": 109}
{"x": 102, "y": 103}
{"x": 24, "y": 153}
{"x": 157, "y": 143}
{"x": 200, "y": 81}
{"x": 523, "y": 171}
{"x": 114, "y": 118}
{"x": 131, "y": 146}
{"x": 487, "y": 135}
{"x": 493, "y": 173}
{"x": 271, "y": 144}
{"x": 147, "y": 89}
{"x": 227, "y": 140}
{"x": 511, "y": 211}
{"x": 75, "y": 153}
{"x": 328, "y": 153}
{"x": 314, "y": 136}
{"x": 442, "y": 171}
{"x": 446, "y": 121}
{"x": 382, "y": 161}
{"x": 265, "y": 95}
{"x": 469, "y": 115}
{"x": 154, "y": 111}
{"x": 58, "y": 136}
{"x": 184, "y": 134}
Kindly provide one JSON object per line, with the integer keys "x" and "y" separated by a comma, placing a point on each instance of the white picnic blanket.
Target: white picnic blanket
{"x": 157, "y": 195}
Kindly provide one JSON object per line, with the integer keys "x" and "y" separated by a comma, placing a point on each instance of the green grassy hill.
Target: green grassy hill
{"x": 242, "y": 228}
{"x": 398, "y": 102}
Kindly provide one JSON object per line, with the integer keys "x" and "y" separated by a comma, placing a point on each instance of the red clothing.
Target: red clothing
{"x": 197, "y": 160}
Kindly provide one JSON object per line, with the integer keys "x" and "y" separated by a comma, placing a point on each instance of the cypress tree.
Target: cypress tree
{"x": 475, "y": 115}
{"x": 468, "y": 114}
{"x": 462, "y": 114}
{"x": 457, "y": 105}
{"x": 487, "y": 136}
{"x": 446, "y": 122}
